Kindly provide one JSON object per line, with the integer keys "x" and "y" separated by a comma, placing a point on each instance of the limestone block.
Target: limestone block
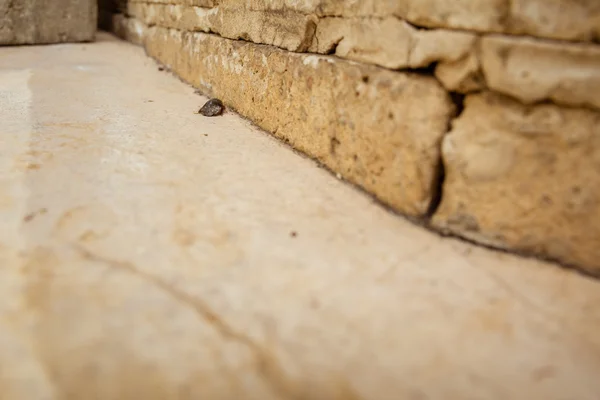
{"x": 287, "y": 30}
{"x": 377, "y": 128}
{"x": 530, "y": 70}
{"x": 42, "y": 21}
{"x": 195, "y": 3}
{"x": 172, "y": 16}
{"x": 524, "y": 178}
{"x": 389, "y": 42}
{"x": 556, "y": 19}
{"x": 533, "y": 70}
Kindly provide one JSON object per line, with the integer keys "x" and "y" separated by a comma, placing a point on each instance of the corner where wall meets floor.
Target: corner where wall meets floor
{"x": 479, "y": 122}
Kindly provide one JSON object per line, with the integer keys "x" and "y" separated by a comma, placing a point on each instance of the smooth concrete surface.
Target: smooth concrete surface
{"x": 148, "y": 252}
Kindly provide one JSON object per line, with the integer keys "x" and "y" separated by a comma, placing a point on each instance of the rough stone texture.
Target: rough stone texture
{"x": 172, "y": 16}
{"x": 463, "y": 75}
{"x": 532, "y": 70}
{"x": 146, "y": 253}
{"x": 555, "y": 19}
{"x": 524, "y": 178}
{"x": 389, "y": 42}
{"x": 527, "y": 69}
{"x": 43, "y": 21}
{"x": 377, "y": 128}
{"x": 290, "y": 31}
{"x": 129, "y": 29}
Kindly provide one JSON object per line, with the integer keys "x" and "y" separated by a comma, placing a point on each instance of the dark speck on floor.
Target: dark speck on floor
{"x": 212, "y": 108}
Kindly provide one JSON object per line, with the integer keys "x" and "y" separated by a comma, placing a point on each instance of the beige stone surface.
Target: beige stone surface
{"x": 289, "y": 30}
{"x": 173, "y": 16}
{"x": 525, "y": 178}
{"x": 42, "y": 21}
{"x": 555, "y": 19}
{"x": 529, "y": 70}
{"x": 148, "y": 253}
{"x": 463, "y": 75}
{"x": 377, "y": 128}
{"x": 532, "y": 70}
{"x": 389, "y": 42}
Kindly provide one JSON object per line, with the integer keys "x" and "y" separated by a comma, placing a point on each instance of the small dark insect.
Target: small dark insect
{"x": 293, "y": 233}
{"x": 212, "y": 108}
{"x": 161, "y": 68}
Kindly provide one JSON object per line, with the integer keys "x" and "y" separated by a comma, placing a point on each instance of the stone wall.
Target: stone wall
{"x": 47, "y": 21}
{"x": 477, "y": 118}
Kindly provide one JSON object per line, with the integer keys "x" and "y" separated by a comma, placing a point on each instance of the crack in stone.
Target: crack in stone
{"x": 266, "y": 363}
{"x": 440, "y": 175}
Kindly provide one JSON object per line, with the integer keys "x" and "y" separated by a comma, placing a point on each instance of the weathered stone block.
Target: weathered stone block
{"x": 389, "y": 42}
{"x": 524, "y": 178}
{"x": 554, "y": 19}
{"x": 291, "y": 31}
{"x": 43, "y": 21}
{"x": 529, "y": 70}
{"x": 534, "y": 70}
{"x": 377, "y": 128}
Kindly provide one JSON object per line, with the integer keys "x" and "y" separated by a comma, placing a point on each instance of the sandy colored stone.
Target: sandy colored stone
{"x": 554, "y": 19}
{"x": 525, "y": 179}
{"x": 42, "y": 21}
{"x": 196, "y": 3}
{"x": 533, "y": 70}
{"x": 146, "y": 254}
{"x": 463, "y": 75}
{"x": 377, "y": 128}
{"x": 289, "y": 30}
{"x": 529, "y": 70}
{"x": 537, "y": 70}
{"x": 389, "y": 42}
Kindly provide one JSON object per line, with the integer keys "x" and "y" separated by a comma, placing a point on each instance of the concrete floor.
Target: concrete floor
{"x": 148, "y": 252}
